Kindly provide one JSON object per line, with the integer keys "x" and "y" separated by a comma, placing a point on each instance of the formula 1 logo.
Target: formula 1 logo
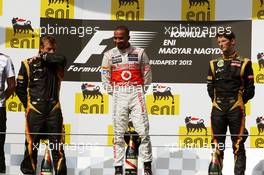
{"x": 93, "y": 46}
{"x": 22, "y": 34}
{"x": 199, "y": 2}
{"x": 91, "y": 100}
{"x": 194, "y": 124}
{"x": 127, "y": 9}
{"x": 21, "y": 25}
{"x": 63, "y": 9}
{"x": 137, "y": 38}
{"x": 198, "y": 10}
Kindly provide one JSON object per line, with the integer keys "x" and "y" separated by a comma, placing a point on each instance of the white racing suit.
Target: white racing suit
{"x": 125, "y": 74}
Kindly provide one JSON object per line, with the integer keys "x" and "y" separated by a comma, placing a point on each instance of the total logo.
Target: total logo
{"x": 127, "y": 9}
{"x": 13, "y": 104}
{"x": 22, "y": 34}
{"x": 198, "y": 10}
{"x": 57, "y": 9}
{"x": 258, "y": 9}
{"x": 258, "y": 68}
{"x": 257, "y": 133}
{"x": 162, "y": 101}
{"x": 194, "y": 134}
{"x": 91, "y": 100}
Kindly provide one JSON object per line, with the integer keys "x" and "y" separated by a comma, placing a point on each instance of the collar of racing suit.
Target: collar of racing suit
{"x": 125, "y": 50}
{"x": 230, "y": 57}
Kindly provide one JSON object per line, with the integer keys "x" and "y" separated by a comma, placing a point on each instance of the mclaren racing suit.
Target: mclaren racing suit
{"x": 126, "y": 74}
{"x": 230, "y": 85}
{"x": 38, "y": 86}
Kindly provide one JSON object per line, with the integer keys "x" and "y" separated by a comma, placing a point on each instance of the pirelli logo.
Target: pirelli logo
{"x": 127, "y": 10}
{"x": 198, "y": 10}
{"x": 57, "y": 9}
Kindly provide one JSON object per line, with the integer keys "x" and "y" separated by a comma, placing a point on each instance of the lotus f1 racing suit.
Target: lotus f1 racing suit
{"x": 38, "y": 86}
{"x": 230, "y": 85}
{"x": 125, "y": 74}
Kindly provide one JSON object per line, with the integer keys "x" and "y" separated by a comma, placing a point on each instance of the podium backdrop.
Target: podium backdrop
{"x": 179, "y": 38}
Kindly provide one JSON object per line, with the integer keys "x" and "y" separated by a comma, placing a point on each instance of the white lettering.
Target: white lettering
{"x": 93, "y": 46}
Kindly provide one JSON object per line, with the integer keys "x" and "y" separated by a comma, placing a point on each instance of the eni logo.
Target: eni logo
{"x": 258, "y": 68}
{"x": 194, "y": 134}
{"x": 59, "y": 1}
{"x": 22, "y": 34}
{"x": 128, "y": 2}
{"x": 199, "y": 3}
{"x": 91, "y": 100}
{"x": 22, "y": 25}
{"x": 162, "y": 101}
{"x": 194, "y": 124}
{"x": 13, "y": 104}
{"x": 198, "y": 10}
{"x": 257, "y": 133}
{"x": 57, "y": 9}
{"x": 127, "y": 9}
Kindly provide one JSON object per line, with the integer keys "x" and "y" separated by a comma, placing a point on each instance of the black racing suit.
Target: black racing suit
{"x": 230, "y": 85}
{"x": 38, "y": 86}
